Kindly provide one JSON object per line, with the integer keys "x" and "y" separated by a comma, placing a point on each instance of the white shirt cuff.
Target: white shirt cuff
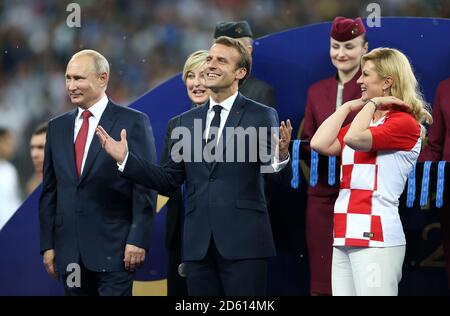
{"x": 277, "y": 165}
{"x": 122, "y": 165}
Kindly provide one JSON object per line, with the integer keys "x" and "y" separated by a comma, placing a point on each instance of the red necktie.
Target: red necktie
{"x": 80, "y": 141}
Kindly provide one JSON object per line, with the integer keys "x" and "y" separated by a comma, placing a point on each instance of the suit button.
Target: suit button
{"x": 212, "y": 179}
{"x": 108, "y": 258}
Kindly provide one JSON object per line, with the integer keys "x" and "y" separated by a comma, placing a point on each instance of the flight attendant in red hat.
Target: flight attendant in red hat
{"x": 348, "y": 43}
{"x": 438, "y": 149}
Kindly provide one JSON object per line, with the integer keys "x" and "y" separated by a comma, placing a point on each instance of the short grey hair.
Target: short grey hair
{"x": 101, "y": 64}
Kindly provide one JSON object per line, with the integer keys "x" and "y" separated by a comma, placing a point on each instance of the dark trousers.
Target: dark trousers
{"x": 176, "y": 285}
{"x": 217, "y": 276}
{"x": 118, "y": 283}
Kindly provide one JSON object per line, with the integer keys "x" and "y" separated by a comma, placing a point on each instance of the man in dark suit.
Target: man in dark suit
{"x": 89, "y": 215}
{"x": 227, "y": 236}
{"x": 253, "y": 88}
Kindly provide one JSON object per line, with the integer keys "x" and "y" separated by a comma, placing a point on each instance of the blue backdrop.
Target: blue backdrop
{"x": 290, "y": 61}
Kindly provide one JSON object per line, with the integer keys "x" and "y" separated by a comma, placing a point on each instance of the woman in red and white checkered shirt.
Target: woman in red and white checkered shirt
{"x": 378, "y": 150}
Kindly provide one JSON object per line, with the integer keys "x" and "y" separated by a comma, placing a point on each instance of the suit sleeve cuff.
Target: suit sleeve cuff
{"x": 279, "y": 165}
{"x": 121, "y": 166}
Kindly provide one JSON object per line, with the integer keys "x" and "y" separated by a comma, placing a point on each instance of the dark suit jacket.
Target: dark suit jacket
{"x": 226, "y": 201}
{"x": 174, "y": 204}
{"x": 94, "y": 217}
{"x": 259, "y": 91}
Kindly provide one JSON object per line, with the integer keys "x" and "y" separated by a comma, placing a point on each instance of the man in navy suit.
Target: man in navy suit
{"x": 227, "y": 237}
{"x": 89, "y": 215}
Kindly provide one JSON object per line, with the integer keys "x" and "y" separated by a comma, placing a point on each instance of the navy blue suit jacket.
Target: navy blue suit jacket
{"x": 94, "y": 217}
{"x": 225, "y": 201}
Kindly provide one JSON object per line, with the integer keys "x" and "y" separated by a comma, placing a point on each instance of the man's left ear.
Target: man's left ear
{"x": 103, "y": 79}
{"x": 240, "y": 73}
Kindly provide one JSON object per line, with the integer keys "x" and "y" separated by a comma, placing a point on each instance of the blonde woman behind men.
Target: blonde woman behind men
{"x": 193, "y": 79}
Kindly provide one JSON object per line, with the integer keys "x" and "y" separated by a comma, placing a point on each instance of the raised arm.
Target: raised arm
{"x": 325, "y": 139}
{"x": 163, "y": 179}
{"x": 359, "y": 136}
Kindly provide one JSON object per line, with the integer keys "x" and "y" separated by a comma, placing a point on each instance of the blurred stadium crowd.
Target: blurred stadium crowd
{"x": 146, "y": 42}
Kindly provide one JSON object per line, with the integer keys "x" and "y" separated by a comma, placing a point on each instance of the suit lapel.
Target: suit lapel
{"x": 201, "y": 114}
{"x": 233, "y": 119}
{"x": 68, "y": 144}
{"x": 106, "y": 121}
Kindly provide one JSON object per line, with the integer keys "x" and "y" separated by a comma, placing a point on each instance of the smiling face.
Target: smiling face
{"x": 84, "y": 86}
{"x": 195, "y": 85}
{"x": 346, "y": 56}
{"x": 372, "y": 84}
{"x": 221, "y": 70}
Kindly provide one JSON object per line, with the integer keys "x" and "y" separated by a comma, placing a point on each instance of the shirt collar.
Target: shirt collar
{"x": 226, "y": 104}
{"x": 97, "y": 109}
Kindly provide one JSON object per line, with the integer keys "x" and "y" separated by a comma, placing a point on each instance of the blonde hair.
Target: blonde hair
{"x": 390, "y": 62}
{"x": 194, "y": 61}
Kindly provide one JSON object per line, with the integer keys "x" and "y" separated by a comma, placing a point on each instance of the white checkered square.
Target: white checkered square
{"x": 357, "y": 225}
{"x": 381, "y": 206}
{"x": 341, "y": 204}
{"x": 374, "y": 243}
{"x": 348, "y": 156}
{"x": 363, "y": 177}
{"x": 339, "y": 242}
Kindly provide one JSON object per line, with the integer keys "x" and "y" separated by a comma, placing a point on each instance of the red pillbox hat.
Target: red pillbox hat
{"x": 344, "y": 29}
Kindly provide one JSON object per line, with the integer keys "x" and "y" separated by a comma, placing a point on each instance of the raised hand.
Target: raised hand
{"x": 391, "y": 103}
{"x": 284, "y": 140}
{"x": 118, "y": 150}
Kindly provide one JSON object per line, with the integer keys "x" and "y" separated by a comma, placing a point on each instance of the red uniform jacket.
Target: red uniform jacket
{"x": 439, "y": 133}
{"x": 320, "y": 104}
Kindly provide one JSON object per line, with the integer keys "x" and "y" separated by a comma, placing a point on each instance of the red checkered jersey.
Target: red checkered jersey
{"x": 366, "y": 211}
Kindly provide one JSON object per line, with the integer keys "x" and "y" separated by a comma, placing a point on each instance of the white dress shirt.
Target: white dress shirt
{"x": 226, "y": 108}
{"x": 97, "y": 110}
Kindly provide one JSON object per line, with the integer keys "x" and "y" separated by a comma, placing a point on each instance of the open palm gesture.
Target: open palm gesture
{"x": 118, "y": 150}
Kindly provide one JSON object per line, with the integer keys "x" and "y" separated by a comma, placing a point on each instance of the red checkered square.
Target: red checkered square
{"x": 360, "y": 202}
{"x": 353, "y": 242}
{"x": 365, "y": 157}
{"x": 346, "y": 176}
{"x": 376, "y": 228}
{"x": 340, "y": 225}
